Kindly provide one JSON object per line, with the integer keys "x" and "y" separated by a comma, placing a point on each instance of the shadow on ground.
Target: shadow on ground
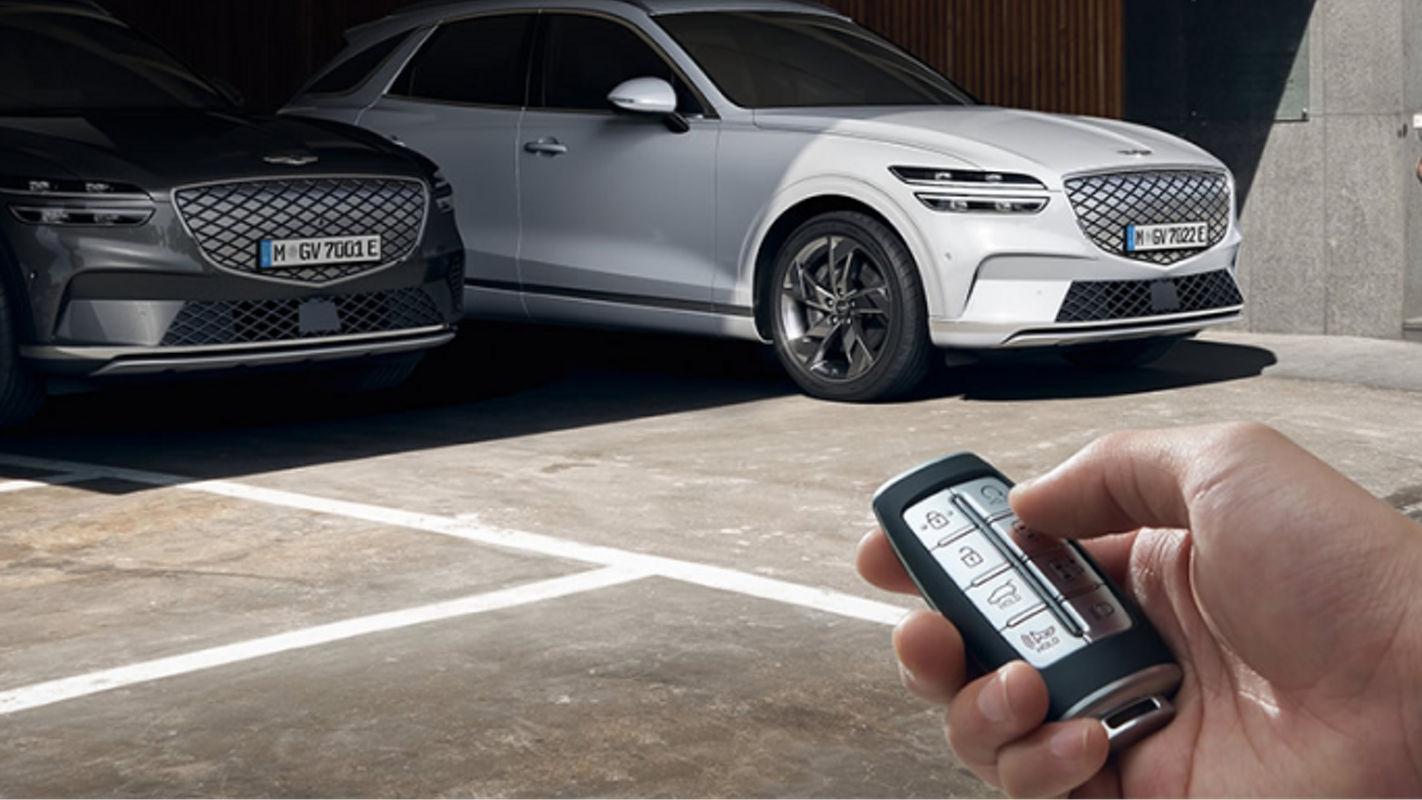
{"x": 502, "y": 381}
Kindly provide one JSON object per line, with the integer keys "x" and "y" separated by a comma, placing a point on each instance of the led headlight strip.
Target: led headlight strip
{"x": 974, "y": 191}
{"x": 103, "y": 204}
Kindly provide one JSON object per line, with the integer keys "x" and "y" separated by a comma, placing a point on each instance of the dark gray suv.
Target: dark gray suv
{"x": 147, "y": 226}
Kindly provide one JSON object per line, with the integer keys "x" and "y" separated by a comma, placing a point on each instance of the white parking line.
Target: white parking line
{"x": 820, "y": 599}
{"x": 619, "y": 566}
{"x": 53, "y": 480}
{"x": 56, "y": 691}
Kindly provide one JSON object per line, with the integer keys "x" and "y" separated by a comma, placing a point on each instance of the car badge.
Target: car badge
{"x": 1137, "y": 152}
{"x": 292, "y": 159}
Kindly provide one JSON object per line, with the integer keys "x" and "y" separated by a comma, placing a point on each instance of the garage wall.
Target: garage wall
{"x": 1057, "y": 55}
{"x": 1332, "y": 210}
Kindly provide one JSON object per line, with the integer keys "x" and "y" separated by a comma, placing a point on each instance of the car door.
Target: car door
{"x": 615, "y": 207}
{"x": 459, "y": 101}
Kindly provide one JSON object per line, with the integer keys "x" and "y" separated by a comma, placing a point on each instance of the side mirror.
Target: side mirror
{"x": 644, "y": 96}
{"x": 652, "y": 96}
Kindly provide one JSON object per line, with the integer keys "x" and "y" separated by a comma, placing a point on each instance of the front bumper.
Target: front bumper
{"x": 1015, "y": 307}
{"x": 1027, "y": 280}
{"x": 114, "y": 362}
{"x": 118, "y": 301}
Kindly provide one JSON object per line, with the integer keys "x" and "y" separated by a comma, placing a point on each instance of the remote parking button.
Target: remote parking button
{"x": 1042, "y": 640}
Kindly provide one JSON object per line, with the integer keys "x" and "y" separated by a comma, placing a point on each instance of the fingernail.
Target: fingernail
{"x": 992, "y": 700}
{"x": 1069, "y": 743}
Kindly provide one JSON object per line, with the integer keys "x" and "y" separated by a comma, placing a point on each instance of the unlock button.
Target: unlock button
{"x": 970, "y": 559}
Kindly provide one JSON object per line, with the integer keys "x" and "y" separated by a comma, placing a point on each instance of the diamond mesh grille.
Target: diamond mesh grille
{"x": 215, "y": 322}
{"x": 1095, "y": 301}
{"x": 229, "y": 220}
{"x": 1106, "y": 204}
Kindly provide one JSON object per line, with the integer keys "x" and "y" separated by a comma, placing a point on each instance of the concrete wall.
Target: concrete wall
{"x": 1332, "y": 209}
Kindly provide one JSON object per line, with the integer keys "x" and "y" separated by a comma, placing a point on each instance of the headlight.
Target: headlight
{"x": 966, "y": 179}
{"x": 74, "y": 202}
{"x": 966, "y": 204}
{"x": 975, "y": 191}
{"x": 443, "y": 192}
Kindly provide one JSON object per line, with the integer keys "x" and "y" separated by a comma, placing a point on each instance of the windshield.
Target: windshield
{"x": 778, "y": 60}
{"x": 54, "y": 62}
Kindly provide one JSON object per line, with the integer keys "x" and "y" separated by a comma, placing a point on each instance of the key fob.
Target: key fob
{"x": 1016, "y": 594}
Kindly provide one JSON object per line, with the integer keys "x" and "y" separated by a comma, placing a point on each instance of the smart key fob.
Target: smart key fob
{"x": 1016, "y": 594}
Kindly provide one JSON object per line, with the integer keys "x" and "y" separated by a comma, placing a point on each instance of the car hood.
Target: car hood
{"x": 160, "y": 150}
{"x": 1046, "y": 146}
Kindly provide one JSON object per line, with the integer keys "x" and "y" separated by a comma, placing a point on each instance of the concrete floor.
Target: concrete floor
{"x": 556, "y": 564}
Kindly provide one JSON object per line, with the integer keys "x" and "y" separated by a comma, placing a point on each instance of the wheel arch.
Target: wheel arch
{"x": 797, "y": 213}
{"x": 14, "y": 284}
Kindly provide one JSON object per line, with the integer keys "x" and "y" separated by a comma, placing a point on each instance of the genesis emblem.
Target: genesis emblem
{"x": 1138, "y": 153}
{"x": 292, "y": 159}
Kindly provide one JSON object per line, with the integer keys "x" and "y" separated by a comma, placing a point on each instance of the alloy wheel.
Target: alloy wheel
{"x": 836, "y": 309}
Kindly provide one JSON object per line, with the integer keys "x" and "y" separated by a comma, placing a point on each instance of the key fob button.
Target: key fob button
{"x": 1024, "y": 541}
{"x": 1005, "y": 597}
{"x": 1041, "y": 639}
{"x": 1099, "y": 613}
{"x": 1065, "y": 571}
{"x": 937, "y": 521}
{"x": 970, "y": 559}
{"x": 987, "y": 496}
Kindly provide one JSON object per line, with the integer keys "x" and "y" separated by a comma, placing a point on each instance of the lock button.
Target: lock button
{"x": 937, "y": 520}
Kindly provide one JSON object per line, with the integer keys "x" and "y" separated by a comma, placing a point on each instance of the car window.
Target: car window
{"x": 54, "y": 62}
{"x": 586, "y": 57}
{"x": 353, "y": 72}
{"x": 481, "y": 60}
{"x": 778, "y": 60}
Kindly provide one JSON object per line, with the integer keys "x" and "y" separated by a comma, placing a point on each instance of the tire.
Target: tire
{"x": 848, "y": 312}
{"x": 1116, "y": 356}
{"x": 21, "y": 391}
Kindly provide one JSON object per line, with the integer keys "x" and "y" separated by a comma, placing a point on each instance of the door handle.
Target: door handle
{"x": 546, "y": 147}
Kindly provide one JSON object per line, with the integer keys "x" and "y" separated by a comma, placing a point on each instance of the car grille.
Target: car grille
{"x": 217, "y": 322}
{"x": 1106, "y": 204}
{"x": 1096, "y": 301}
{"x": 229, "y": 220}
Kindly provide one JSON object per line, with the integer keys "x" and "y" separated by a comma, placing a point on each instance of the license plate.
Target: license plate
{"x": 1182, "y": 236}
{"x": 284, "y": 253}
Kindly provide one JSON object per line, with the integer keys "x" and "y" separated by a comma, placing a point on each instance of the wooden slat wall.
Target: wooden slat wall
{"x": 1051, "y": 55}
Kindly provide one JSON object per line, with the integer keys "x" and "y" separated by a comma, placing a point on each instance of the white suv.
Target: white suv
{"x": 767, "y": 169}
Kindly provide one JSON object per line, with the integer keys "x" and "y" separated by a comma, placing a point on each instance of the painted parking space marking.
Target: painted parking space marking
{"x": 731, "y": 580}
{"x": 57, "y": 691}
{"x": 7, "y": 487}
{"x": 617, "y": 566}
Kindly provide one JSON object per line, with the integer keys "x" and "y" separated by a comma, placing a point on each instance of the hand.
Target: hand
{"x": 1290, "y": 596}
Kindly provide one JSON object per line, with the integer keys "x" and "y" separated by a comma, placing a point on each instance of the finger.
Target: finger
{"x": 1113, "y": 553}
{"x": 878, "y": 565}
{"x": 1054, "y": 760}
{"x": 931, "y": 656}
{"x": 1118, "y": 483}
{"x": 993, "y": 711}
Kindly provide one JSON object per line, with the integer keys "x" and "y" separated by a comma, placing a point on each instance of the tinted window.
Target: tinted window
{"x": 585, "y": 58}
{"x": 56, "y": 62}
{"x": 764, "y": 60}
{"x": 353, "y": 71}
{"x": 483, "y": 60}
